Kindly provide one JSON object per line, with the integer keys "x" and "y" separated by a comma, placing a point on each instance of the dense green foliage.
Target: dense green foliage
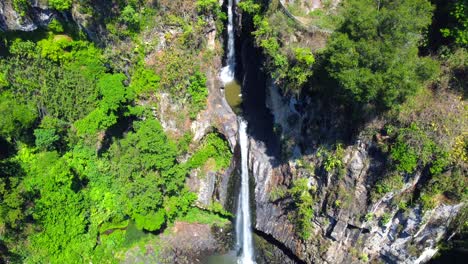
{"x": 212, "y": 147}
{"x": 198, "y": 93}
{"x": 88, "y": 167}
{"x": 289, "y": 64}
{"x": 60, "y": 5}
{"x": 303, "y": 200}
{"x": 57, "y": 75}
{"x": 301, "y": 195}
{"x": 374, "y": 55}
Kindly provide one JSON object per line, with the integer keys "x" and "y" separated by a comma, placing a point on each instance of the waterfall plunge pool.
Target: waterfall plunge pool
{"x": 233, "y": 94}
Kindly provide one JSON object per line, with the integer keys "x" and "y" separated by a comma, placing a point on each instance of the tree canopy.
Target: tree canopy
{"x": 374, "y": 55}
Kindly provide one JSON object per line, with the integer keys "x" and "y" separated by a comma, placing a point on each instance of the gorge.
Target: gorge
{"x": 250, "y": 131}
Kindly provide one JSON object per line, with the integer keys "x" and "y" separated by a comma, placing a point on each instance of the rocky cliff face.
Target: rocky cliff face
{"x": 342, "y": 232}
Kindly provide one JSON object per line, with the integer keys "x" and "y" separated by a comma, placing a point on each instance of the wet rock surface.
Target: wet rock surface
{"x": 341, "y": 233}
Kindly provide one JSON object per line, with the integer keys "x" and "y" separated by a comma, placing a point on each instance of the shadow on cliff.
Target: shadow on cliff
{"x": 254, "y": 108}
{"x": 326, "y": 120}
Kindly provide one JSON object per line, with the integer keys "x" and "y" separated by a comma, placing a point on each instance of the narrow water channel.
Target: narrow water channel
{"x": 244, "y": 241}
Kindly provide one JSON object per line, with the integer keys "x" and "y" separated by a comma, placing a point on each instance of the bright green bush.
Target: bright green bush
{"x": 16, "y": 116}
{"x": 130, "y": 17}
{"x": 104, "y": 116}
{"x": 303, "y": 200}
{"x": 413, "y": 147}
{"x": 45, "y": 138}
{"x": 143, "y": 81}
{"x": 389, "y": 184}
{"x": 405, "y": 156}
{"x": 55, "y": 26}
{"x": 61, "y": 5}
{"x": 21, "y": 6}
{"x": 196, "y": 215}
{"x": 249, "y": 6}
{"x": 332, "y": 161}
{"x": 290, "y": 66}
{"x": 458, "y": 29}
{"x": 385, "y": 219}
{"x": 198, "y": 94}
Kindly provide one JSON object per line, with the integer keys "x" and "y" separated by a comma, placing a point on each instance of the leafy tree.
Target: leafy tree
{"x": 143, "y": 81}
{"x": 374, "y": 56}
{"x": 45, "y": 138}
{"x": 212, "y": 147}
{"x": 207, "y": 6}
{"x": 290, "y": 66}
{"x": 16, "y": 116}
{"x": 12, "y": 196}
{"x": 113, "y": 95}
{"x": 130, "y": 17}
{"x": 61, "y": 5}
{"x": 55, "y": 26}
{"x": 50, "y": 177}
{"x": 144, "y": 162}
{"x": 249, "y": 6}
{"x": 63, "y": 86}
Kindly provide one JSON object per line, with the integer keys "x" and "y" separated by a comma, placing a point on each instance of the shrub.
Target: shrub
{"x": 130, "y": 17}
{"x": 303, "y": 200}
{"x": 45, "y": 138}
{"x": 214, "y": 147}
{"x": 55, "y": 26}
{"x": 61, "y": 5}
{"x": 198, "y": 93}
{"x": 385, "y": 219}
{"x": 369, "y": 217}
{"x": 278, "y": 192}
{"x": 332, "y": 161}
{"x": 249, "y": 7}
{"x": 458, "y": 29}
{"x": 413, "y": 147}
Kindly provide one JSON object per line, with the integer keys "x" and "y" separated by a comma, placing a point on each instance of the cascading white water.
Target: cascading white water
{"x": 243, "y": 224}
{"x": 227, "y": 72}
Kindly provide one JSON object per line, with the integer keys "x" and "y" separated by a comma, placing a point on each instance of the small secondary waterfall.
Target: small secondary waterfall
{"x": 243, "y": 221}
{"x": 228, "y": 71}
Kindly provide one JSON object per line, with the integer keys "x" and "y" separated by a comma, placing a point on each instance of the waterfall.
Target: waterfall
{"x": 227, "y": 72}
{"x": 243, "y": 221}
{"x": 244, "y": 241}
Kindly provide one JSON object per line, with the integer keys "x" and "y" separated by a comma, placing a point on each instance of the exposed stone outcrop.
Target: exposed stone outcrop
{"x": 341, "y": 233}
{"x": 37, "y": 15}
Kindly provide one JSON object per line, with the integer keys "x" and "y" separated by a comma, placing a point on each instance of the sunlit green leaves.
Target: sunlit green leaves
{"x": 374, "y": 56}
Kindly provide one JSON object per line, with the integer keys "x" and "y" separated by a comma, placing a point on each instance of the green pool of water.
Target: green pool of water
{"x": 232, "y": 91}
